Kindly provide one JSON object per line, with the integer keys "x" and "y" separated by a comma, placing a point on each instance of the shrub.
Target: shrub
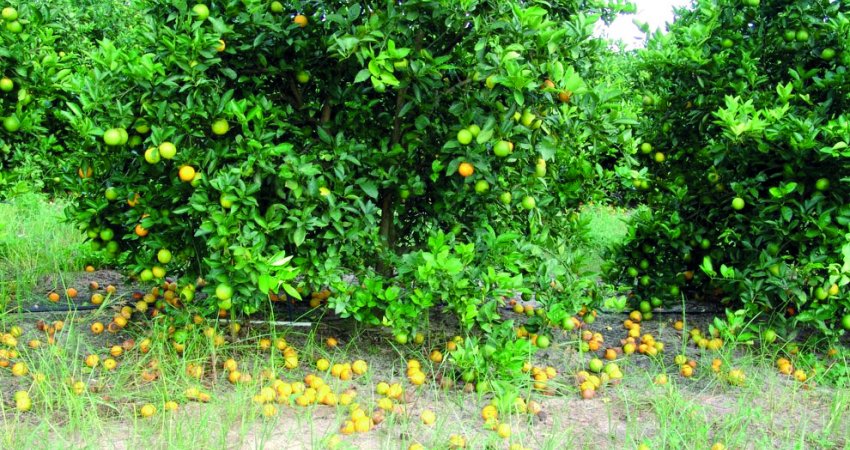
{"x": 255, "y": 146}
{"x": 41, "y": 42}
{"x": 744, "y": 162}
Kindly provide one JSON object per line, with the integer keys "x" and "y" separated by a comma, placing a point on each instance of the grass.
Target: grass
{"x": 35, "y": 242}
{"x": 684, "y": 414}
{"x": 607, "y": 226}
{"x": 769, "y": 411}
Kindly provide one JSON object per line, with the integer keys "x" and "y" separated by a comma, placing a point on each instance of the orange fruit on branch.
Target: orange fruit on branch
{"x": 465, "y": 169}
{"x": 187, "y": 174}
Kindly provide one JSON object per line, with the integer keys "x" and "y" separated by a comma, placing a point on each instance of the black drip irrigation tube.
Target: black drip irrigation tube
{"x": 670, "y": 311}
{"x": 290, "y": 311}
{"x": 39, "y": 310}
{"x": 297, "y": 315}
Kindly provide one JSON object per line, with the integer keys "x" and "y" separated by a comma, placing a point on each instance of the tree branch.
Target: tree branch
{"x": 296, "y": 93}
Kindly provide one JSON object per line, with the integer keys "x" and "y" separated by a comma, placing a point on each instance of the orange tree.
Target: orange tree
{"x": 744, "y": 164}
{"x": 432, "y": 149}
{"x": 40, "y": 42}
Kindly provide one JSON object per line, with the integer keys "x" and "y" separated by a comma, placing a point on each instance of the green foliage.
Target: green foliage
{"x": 499, "y": 356}
{"x": 38, "y": 53}
{"x": 745, "y": 165}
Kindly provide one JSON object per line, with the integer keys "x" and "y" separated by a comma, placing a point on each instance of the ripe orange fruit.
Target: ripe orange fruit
{"x": 322, "y": 365}
{"x": 489, "y": 412}
{"x": 465, "y": 169}
{"x": 359, "y": 367}
{"x": 71, "y": 292}
{"x": 457, "y": 441}
{"x": 187, "y": 173}
{"x": 53, "y": 297}
{"x": 145, "y": 345}
{"x": 395, "y": 391}
{"x": 588, "y": 394}
{"x": 92, "y": 360}
{"x": 300, "y": 20}
{"x": 140, "y": 231}
{"x": 382, "y": 388}
{"x": 109, "y": 364}
{"x": 23, "y": 402}
{"x": 134, "y": 201}
{"x": 269, "y": 410}
{"x": 417, "y": 378}
{"x": 428, "y": 417}
{"x": 147, "y": 410}
{"x": 19, "y": 369}
{"x": 737, "y": 377}
{"x": 97, "y": 328}
{"x": 833, "y": 289}
{"x": 346, "y": 374}
{"x": 79, "y": 387}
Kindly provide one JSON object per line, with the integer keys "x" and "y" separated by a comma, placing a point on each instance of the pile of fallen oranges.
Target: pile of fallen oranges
{"x": 786, "y": 368}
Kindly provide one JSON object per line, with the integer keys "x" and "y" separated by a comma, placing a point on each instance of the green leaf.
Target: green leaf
{"x": 229, "y": 73}
{"x": 519, "y": 98}
{"x": 547, "y": 148}
{"x": 573, "y": 82}
{"x": 266, "y": 283}
{"x": 369, "y": 187}
{"x": 484, "y": 136}
{"x": 392, "y": 293}
{"x": 708, "y": 267}
{"x": 290, "y": 291}
{"x": 280, "y": 260}
{"x": 299, "y": 236}
{"x": 362, "y": 76}
{"x": 324, "y": 136}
